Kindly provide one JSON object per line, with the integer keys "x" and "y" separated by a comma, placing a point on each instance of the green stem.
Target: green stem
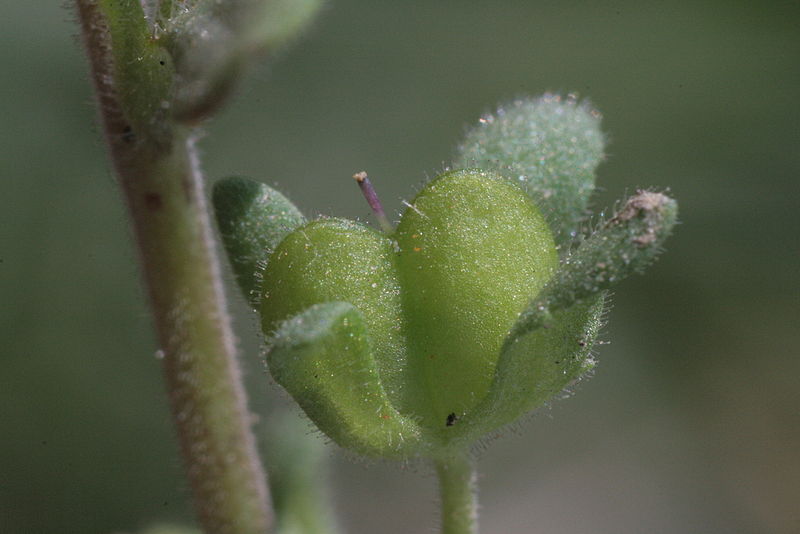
{"x": 164, "y": 193}
{"x": 458, "y": 492}
{"x": 167, "y": 204}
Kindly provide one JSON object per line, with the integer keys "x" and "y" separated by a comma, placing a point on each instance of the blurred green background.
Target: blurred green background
{"x": 692, "y": 420}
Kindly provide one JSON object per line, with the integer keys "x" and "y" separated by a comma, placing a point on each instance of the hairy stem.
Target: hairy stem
{"x": 208, "y": 401}
{"x": 458, "y": 493}
{"x": 163, "y": 189}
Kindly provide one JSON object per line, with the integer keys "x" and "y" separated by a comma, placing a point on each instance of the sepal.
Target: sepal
{"x": 253, "y": 219}
{"x": 550, "y": 146}
{"x": 624, "y": 244}
{"x": 535, "y": 366}
{"x": 323, "y": 358}
{"x": 550, "y": 345}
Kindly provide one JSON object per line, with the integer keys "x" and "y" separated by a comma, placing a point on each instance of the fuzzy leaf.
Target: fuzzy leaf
{"x": 551, "y": 146}
{"x": 323, "y": 358}
{"x": 624, "y": 244}
{"x": 253, "y": 219}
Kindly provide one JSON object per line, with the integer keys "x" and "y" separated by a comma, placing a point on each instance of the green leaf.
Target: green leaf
{"x": 551, "y": 146}
{"x": 323, "y": 358}
{"x": 253, "y": 219}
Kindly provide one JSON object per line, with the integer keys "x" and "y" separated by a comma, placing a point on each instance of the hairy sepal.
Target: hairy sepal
{"x": 334, "y": 259}
{"x": 253, "y": 219}
{"x": 323, "y": 358}
{"x": 534, "y": 367}
{"x": 549, "y": 145}
{"x": 550, "y": 345}
{"x": 624, "y": 244}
